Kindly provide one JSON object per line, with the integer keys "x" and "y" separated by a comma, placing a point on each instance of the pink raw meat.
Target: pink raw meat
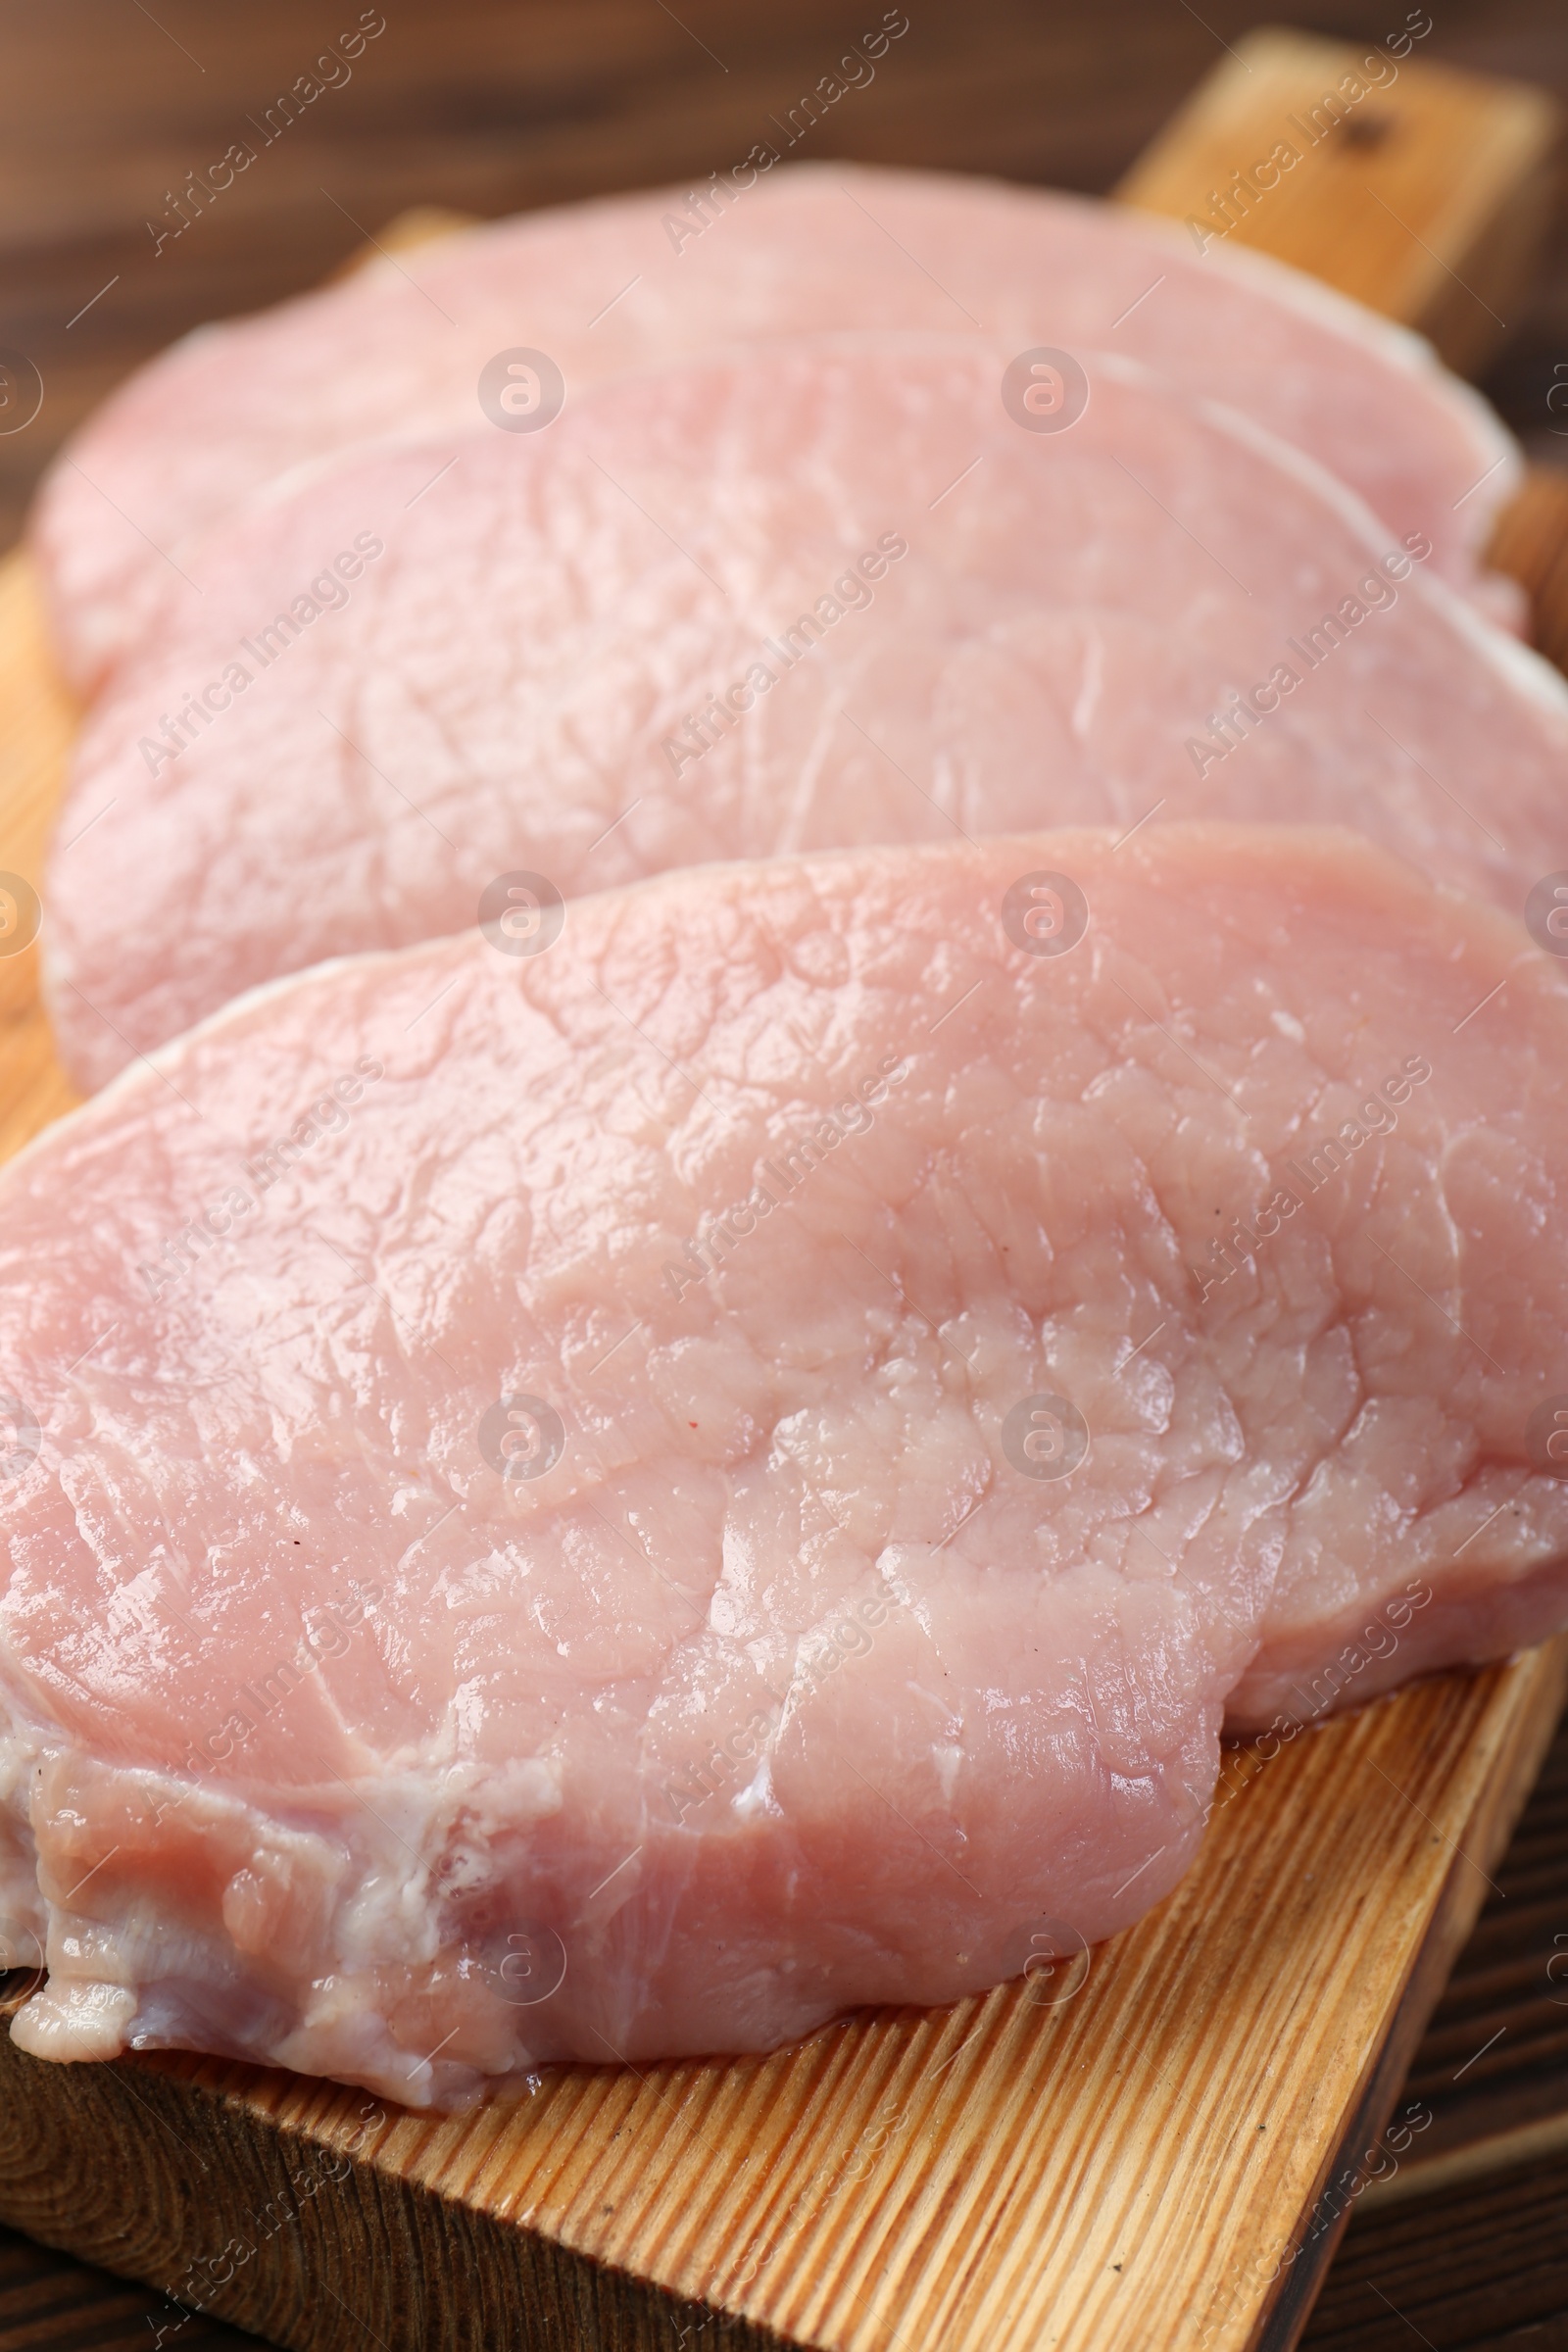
{"x": 629, "y": 280}
{"x": 670, "y": 1356}
{"x": 517, "y": 682}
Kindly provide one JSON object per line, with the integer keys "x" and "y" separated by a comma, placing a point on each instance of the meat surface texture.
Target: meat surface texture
{"x": 618, "y": 1493}
{"x": 838, "y": 593}
{"x": 604, "y": 287}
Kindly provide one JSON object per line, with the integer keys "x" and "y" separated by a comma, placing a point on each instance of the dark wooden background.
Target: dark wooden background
{"x": 488, "y": 106}
{"x": 105, "y": 105}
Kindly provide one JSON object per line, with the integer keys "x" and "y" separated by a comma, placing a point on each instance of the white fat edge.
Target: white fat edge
{"x": 1338, "y": 316}
{"x": 432, "y": 438}
{"x": 1524, "y": 668}
{"x": 756, "y": 1798}
{"x": 1290, "y": 288}
{"x": 24, "y": 1910}
{"x": 390, "y": 1909}
{"x": 168, "y": 1059}
{"x": 382, "y": 1909}
{"x": 204, "y": 1803}
{"x": 1493, "y": 445}
{"x": 1091, "y": 683}
{"x": 28, "y": 1734}
{"x": 1402, "y": 347}
{"x": 1527, "y": 671}
{"x": 1530, "y": 672}
{"x": 367, "y": 288}
{"x": 370, "y": 282}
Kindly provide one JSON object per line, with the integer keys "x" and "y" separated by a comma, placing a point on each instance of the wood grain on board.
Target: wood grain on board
{"x": 36, "y": 722}
{"x": 1483, "y": 2268}
{"x": 1477, "y": 2251}
{"x": 1531, "y": 543}
{"x": 1165, "y": 2153}
{"x": 1124, "y": 2166}
{"x": 1342, "y": 160}
{"x": 1379, "y": 205}
{"x": 1493, "y": 2065}
{"x": 1465, "y": 2244}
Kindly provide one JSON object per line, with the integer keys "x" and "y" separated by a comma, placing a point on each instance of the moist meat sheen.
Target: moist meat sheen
{"x": 831, "y": 596}
{"x": 620, "y": 283}
{"x": 619, "y": 1497}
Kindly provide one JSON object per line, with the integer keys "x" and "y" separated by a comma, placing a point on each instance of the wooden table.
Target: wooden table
{"x": 486, "y": 107}
{"x": 1478, "y": 2256}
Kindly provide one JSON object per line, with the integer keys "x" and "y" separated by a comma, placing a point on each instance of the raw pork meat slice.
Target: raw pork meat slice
{"x": 517, "y": 682}
{"x": 780, "y": 1505}
{"x": 620, "y": 283}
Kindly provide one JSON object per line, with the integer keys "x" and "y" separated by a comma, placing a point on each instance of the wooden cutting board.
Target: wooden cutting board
{"x": 1159, "y": 2149}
